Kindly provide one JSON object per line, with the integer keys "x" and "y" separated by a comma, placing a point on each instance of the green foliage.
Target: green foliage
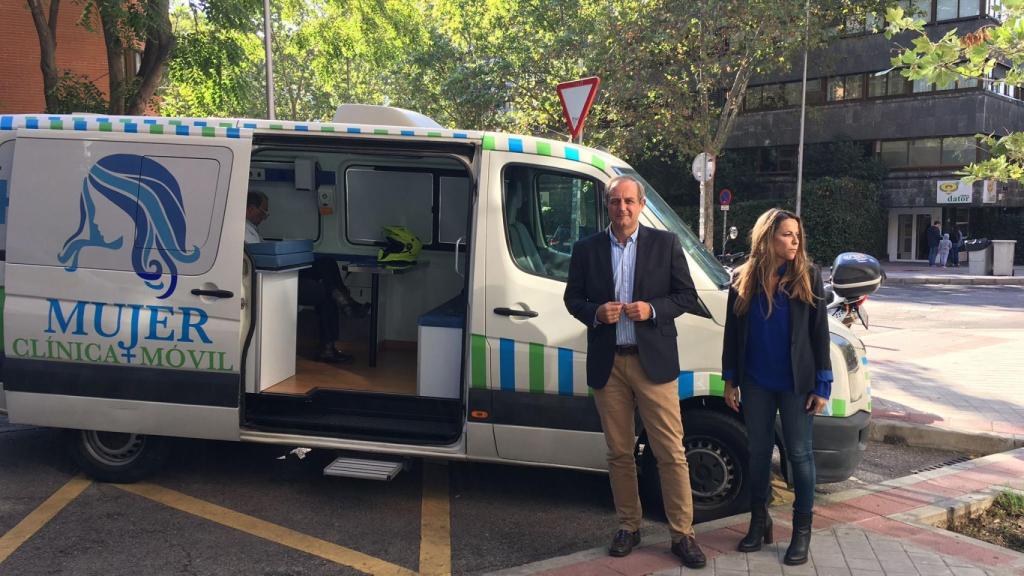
{"x": 843, "y": 215}
{"x": 992, "y": 53}
{"x": 742, "y": 215}
{"x": 1011, "y": 502}
{"x": 76, "y": 93}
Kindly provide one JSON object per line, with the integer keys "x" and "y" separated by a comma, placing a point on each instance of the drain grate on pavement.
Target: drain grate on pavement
{"x": 957, "y": 460}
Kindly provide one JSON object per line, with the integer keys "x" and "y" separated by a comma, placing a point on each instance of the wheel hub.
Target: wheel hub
{"x": 113, "y": 448}
{"x": 711, "y": 469}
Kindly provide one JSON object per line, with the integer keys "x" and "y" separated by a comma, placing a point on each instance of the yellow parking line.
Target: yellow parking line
{"x": 435, "y": 522}
{"x": 266, "y": 530}
{"x": 38, "y": 518}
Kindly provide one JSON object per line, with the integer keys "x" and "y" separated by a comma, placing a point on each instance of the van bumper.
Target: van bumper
{"x": 839, "y": 444}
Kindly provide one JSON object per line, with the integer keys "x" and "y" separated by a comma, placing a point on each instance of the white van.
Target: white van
{"x": 132, "y": 310}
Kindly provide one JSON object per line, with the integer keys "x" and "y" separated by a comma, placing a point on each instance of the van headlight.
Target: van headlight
{"x": 848, "y": 351}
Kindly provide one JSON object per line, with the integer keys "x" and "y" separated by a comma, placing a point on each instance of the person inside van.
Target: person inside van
{"x": 320, "y": 286}
{"x": 257, "y": 208}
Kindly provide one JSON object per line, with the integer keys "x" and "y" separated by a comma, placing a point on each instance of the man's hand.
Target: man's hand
{"x": 638, "y": 311}
{"x": 609, "y": 312}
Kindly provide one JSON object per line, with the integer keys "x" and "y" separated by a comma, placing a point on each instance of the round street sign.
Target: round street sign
{"x": 725, "y": 197}
{"x": 703, "y": 167}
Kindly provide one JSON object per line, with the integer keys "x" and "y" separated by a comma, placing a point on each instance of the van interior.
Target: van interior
{"x": 399, "y": 326}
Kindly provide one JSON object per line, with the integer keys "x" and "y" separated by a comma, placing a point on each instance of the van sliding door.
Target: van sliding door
{"x": 123, "y": 280}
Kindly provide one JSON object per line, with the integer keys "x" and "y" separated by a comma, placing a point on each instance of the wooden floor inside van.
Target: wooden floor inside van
{"x": 395, "y": 373}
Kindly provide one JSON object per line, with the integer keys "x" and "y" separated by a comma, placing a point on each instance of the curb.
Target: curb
{"x": 923, "y": 436}
{"x": 924, "y": 517}
{"x": 955, "y": 280}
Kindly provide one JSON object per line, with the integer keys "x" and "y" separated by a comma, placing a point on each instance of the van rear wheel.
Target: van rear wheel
{"x": 116, "y": 456}
{"x": 717, "y": 454}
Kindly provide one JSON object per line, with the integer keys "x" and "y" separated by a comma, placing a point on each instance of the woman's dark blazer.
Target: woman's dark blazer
{"x": 809, "y": 343}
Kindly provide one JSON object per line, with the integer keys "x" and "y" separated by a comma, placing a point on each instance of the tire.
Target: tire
{"x": 115, "y": 456}
{"x": 716, "y": 450}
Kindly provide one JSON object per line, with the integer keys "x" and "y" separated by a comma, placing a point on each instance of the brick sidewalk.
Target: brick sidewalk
{"x": 881, "y": 530}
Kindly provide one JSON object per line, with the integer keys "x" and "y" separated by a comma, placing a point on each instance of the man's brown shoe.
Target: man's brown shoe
{"x": 623, "y": 542}
{"x": 690, "y": 552}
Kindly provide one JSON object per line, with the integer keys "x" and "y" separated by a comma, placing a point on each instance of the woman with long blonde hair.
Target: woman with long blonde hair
{"x": 776, "y": 350}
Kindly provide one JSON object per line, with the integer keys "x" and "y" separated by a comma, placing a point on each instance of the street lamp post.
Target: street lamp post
{"x": 270, "y": 59}
{"x": 803, "y": 114}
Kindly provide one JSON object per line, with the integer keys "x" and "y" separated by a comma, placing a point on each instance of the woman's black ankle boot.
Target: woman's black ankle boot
{"x": 760, "y": 528}
{"x": 800, "y": 544}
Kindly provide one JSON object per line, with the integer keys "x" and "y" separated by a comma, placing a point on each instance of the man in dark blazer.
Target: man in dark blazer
{"x": 628, "y": 284}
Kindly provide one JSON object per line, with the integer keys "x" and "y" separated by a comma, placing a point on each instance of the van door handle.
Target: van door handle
{"x": 511, "y": 312}
{"x": 213, "y": 293}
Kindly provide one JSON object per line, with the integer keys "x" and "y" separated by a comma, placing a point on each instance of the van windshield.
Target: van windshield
{"x": 671, "y": 221}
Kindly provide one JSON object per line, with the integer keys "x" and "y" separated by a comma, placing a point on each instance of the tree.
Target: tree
{"x": 678, "y": 70}
{"x": 993, "y": 53}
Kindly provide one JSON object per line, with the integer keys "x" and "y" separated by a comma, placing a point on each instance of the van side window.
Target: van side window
{"x": 546, "y": 212}
{"x": 154, "y": 209}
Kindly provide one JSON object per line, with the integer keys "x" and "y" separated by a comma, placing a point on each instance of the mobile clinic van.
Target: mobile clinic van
{"x": 132, "y": 310}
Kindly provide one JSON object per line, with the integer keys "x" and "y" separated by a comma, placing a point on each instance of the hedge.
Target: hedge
{"x": 840, "y": 215}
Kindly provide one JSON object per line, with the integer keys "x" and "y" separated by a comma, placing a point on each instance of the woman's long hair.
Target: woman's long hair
{"x": 754, "y": 276}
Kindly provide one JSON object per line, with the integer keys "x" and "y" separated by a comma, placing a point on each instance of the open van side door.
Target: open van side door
{"x": 124, "y": 276}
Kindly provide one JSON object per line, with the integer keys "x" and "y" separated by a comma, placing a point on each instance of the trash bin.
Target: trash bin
{"x": 980, "y": 263}
{"x": 1002, "y": 257}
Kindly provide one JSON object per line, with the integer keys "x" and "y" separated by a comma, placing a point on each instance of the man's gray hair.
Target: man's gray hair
{"x": 618, "y": 180}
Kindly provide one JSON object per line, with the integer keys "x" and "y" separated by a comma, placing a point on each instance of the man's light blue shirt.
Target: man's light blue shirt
{"x": 623, "y": 267}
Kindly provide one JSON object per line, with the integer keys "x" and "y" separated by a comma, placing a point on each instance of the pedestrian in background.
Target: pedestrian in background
{"x": 944, "y": 247}
{"x": 934, "y": 235}
{"x": 776, "y": 353}
{"x": 958, "y": 243}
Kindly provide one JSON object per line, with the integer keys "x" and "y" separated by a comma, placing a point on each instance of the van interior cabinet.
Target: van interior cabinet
{"x": 439, "y": 362}
{"x": 277, "y": 298}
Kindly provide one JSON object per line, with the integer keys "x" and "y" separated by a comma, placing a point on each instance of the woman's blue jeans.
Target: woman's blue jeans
{"x": 759, "y": 407}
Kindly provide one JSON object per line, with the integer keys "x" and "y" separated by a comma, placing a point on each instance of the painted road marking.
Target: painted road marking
{"x": 266, "y": 530}
{"x": 435, "y": 522}
{"x": 38, "y": 518}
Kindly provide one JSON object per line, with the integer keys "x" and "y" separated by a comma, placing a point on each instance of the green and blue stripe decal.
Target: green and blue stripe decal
{"x": 529, "y": 367}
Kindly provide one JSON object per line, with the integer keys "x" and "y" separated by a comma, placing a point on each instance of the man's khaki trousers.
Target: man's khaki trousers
{"x": 628, "y": 389}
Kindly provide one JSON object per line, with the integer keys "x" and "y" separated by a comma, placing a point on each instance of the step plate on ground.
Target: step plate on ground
{"x": 365, "y": 469}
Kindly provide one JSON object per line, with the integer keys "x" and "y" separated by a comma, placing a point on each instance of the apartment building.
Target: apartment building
{"x": 922, "y": 132}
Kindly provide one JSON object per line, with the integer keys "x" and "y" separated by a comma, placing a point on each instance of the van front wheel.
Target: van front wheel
{"x": 716, "y": 451}
{"x": 116, "y": 456}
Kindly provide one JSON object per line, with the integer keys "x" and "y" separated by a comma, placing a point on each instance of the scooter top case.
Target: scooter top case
{"x": 855, "y": 275}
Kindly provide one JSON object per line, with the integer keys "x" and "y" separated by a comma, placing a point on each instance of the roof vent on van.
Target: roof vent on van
{"x": 382, "y": 115}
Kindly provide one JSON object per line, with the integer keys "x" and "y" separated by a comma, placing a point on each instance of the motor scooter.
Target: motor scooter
{"x": 855, "y": 276}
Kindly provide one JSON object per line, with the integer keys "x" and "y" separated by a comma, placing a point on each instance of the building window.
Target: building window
{"x": 876, "y": 86}
{"x": 752, "y": 99}
{"x": 925, "y": 152}
{"x": 896, "y": 84}
{"x": 777, "y": 159}
{"x": 849, "y": 87}
{"x": 792, "y": 92}
{"x": 894, "y": 153}
{"x": 958, "y": 150}
{"x": 772, "y": 97}
{"x": 922, "y": 85}
{"x": 953, "y": 9}
{"x": 815, "y": 95}
{"x": 921, "y": 9}
{"x": 929, "y": 152}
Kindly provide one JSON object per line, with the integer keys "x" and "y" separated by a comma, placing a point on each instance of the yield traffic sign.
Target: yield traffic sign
{"x": 576, "y": 98}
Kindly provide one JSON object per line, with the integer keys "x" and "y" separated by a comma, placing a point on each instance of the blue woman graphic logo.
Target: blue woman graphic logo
{"x": 148, "y": 194}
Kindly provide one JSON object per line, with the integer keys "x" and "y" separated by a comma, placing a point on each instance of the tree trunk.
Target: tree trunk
{"x": 115, "y": 60}
{"x": 159, "y": 43}
{"x": 46, "y": 30}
